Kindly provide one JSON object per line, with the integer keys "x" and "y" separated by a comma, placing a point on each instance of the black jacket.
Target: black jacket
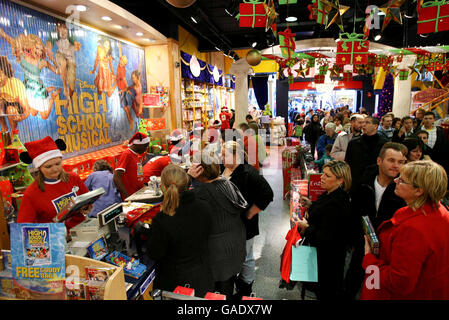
{"x": 328, "y": 231}
{"x": 361, "y": 152}
{"x": 256, "y": 190}
{"x": 179, "y": 246}
{"x": 397, "y": 138}
{"x": 312, "y": 132}
{"x": 364, "y": 199}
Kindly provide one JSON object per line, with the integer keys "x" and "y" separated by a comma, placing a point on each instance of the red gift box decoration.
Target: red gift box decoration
{"x": 185, "y": 291}
{"x": 352, "y": 49}
{"x": 214, "y": 296}
{"x": 252, "y": 14}
{"x": 319, "y": 78}
{"x": 347, "y": 76}
{"x": 433, "y": 16}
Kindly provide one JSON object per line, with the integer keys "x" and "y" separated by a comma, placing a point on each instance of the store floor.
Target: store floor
{"x": 274, "y": 223}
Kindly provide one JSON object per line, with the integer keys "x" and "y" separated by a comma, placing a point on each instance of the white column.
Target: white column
{"x": 241, "y": 69}
{"x": 403, "y": 89}
{"x": 271, "y": 100}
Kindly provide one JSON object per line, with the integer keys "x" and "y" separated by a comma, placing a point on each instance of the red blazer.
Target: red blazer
{"x": 413, "y": 258}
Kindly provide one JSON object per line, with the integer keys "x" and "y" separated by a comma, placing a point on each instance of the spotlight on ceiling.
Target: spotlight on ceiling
{"x": 291, "y": 19}
{"x": 254, "y": 44}
{"x": 81, "y": 8}
{"x": 106, "y": 18}
{"x": 193, "y": 19}
{"x": 377, "y": 37}
{"x": 139, "y": 34}
{"x": 424, "y": 35}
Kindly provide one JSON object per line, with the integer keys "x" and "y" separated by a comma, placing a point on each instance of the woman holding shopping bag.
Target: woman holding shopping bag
{"x": 325, "y": 226}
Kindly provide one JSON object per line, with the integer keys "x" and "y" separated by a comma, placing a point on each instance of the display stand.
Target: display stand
{"x": 4, "y": 234}
{"x": 115, "y": 286}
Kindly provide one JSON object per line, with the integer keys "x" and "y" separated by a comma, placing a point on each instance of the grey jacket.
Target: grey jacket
{"x": 340, "y": 145}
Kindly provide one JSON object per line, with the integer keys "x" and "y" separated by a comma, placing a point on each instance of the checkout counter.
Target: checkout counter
{"x": 111, "y": 225}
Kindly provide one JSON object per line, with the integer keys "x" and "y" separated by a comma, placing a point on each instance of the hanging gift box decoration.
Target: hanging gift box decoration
{"x": 435, "y": 64}
{"x": 287, "y": 43}
{"x": 352, "y": 49}
{"x": 347, "y": 76}
{"x": 382, "y": 61}
{"x": 403, "y": 74}
{"x": 433, "y": 16}
{"x": 252, "y": 14}
{"x": 322, "y": 12}
{"x": 446, "y": 65}
{"x": 323, "y": 70}
{"x": 287, "y": 2}
{"x": 313, "y": 10}
{"x": 319, "y": 78}
{"x": 336, "y": 70}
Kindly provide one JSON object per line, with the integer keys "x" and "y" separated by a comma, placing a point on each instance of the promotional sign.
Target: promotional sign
{"x": 315, "y": 189}
{"x": 67, "y": 81}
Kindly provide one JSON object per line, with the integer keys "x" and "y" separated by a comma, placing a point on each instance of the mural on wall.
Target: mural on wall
{"x": 67, "y": 81}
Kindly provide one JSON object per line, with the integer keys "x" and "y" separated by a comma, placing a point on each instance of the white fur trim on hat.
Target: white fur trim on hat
{"x": 143, "y": 141}
{"x": 44, "y": 157}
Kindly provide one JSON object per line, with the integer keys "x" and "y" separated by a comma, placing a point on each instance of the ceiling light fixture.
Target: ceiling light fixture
{"x": 193, "y": 19}
{"x": 81, "y": 8}
{"x": 106, "y": 18}
{"x": 377, "y": 37}
{"x": 254, "y": 44}
{"x": 227, "y": 11}
{"x": 424, "y": 35}
{"x": 139, "y": 34}
{"x": 291, "y": 19}
{"x": 218, "y": 49}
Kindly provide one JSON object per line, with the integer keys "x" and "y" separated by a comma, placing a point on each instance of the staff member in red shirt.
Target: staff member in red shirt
{"x": 53, "y": 188}
{"x": 128, "y": 174}
{"x": 155, "y": 165}
{"x": 225, "y": 116}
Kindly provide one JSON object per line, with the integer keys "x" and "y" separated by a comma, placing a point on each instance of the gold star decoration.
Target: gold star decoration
{"x": 271, "y": 16}
{"x": 335, "y": 13}
{"x": 392, "y": 10}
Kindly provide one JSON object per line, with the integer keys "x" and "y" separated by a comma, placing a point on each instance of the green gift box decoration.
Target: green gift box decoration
{"x": 323, "y": 70}
{"x": 287, "y": 43}
{"x": 287, "y": 2}
{"x": 403, "y": 74}
{"x": 322, "y": 12}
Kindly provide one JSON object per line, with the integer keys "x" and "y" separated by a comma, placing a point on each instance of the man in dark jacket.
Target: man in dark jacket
{"x": 376, "y": 199}
{"x": 364, "y": 150}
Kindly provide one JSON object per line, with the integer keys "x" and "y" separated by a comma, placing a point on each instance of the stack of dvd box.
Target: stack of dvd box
{"x": 371, "y": 233}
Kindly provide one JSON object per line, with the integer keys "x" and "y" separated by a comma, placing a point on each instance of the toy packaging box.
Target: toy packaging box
{"x": 6, "y": 284}
{"x": 98, "y": 249}
{"x": 75, "y": 290}
{"x": 131, "y": 266}
{"x": 95, "y": 290}
{"x": 98, "y": 273}
{"x": 185, "y": 291}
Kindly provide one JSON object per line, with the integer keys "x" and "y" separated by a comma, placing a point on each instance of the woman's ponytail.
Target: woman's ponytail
{"x": 171, "y": 200}
{"x": 174, "y": 180}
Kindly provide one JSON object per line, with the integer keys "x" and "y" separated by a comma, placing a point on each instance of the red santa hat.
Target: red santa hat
{"x": 224, "y": 108}
{"x": 138, "y": 138}
{"x": 40, "y": 151}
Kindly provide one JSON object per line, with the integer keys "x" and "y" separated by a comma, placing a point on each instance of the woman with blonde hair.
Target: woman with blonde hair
{"x": 179, "y": 236}
{"x": 413, "y": 261}
{"x": 326, "y": 227}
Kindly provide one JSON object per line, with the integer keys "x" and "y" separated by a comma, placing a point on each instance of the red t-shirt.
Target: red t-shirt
{"x": 224, "y": 118}
{"x": 132, "y": 179}
{"x": 42, "y": 206}
{"x": 155, "y": 166}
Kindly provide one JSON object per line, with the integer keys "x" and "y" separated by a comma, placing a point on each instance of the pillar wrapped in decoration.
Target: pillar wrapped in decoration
{"x": 352, "y": 49}
{"x": 386, "y": 96}
{"x": 252, "y": 14}
{"x": 433, "y": 16}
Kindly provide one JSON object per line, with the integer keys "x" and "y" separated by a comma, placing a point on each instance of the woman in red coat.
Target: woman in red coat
{"x": 413, "y": 261}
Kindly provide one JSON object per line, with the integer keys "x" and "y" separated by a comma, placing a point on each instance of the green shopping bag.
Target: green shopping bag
{"x": 304, "y": 264}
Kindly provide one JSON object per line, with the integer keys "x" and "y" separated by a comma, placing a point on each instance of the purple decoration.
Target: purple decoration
{"x": 386, "y": 97}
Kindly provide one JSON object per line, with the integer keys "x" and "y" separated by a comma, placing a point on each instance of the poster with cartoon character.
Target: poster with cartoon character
{"x": 67, "y": 81}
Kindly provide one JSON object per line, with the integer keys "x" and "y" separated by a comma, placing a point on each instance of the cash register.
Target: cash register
{"x": 92, "y": 228}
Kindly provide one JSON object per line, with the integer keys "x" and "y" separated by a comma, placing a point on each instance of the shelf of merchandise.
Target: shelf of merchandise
{"x": 195, "y": 103}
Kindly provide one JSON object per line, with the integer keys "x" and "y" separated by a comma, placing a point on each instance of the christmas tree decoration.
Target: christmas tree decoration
{"x": 253, "y": 57}
{"x": 335, "y": 13}
{"x": 403, "y": 74}
{"x": 352, "y": 49}
{"x": 287, "y": 43}
{"x": 287, "y": 2}
{"x": 271, "y": 16}
{"x": 392, "y": 11}
{"x": 433, "y": 16}
{"x": 386, "y": 96}
{"x": 252, "y": 14}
